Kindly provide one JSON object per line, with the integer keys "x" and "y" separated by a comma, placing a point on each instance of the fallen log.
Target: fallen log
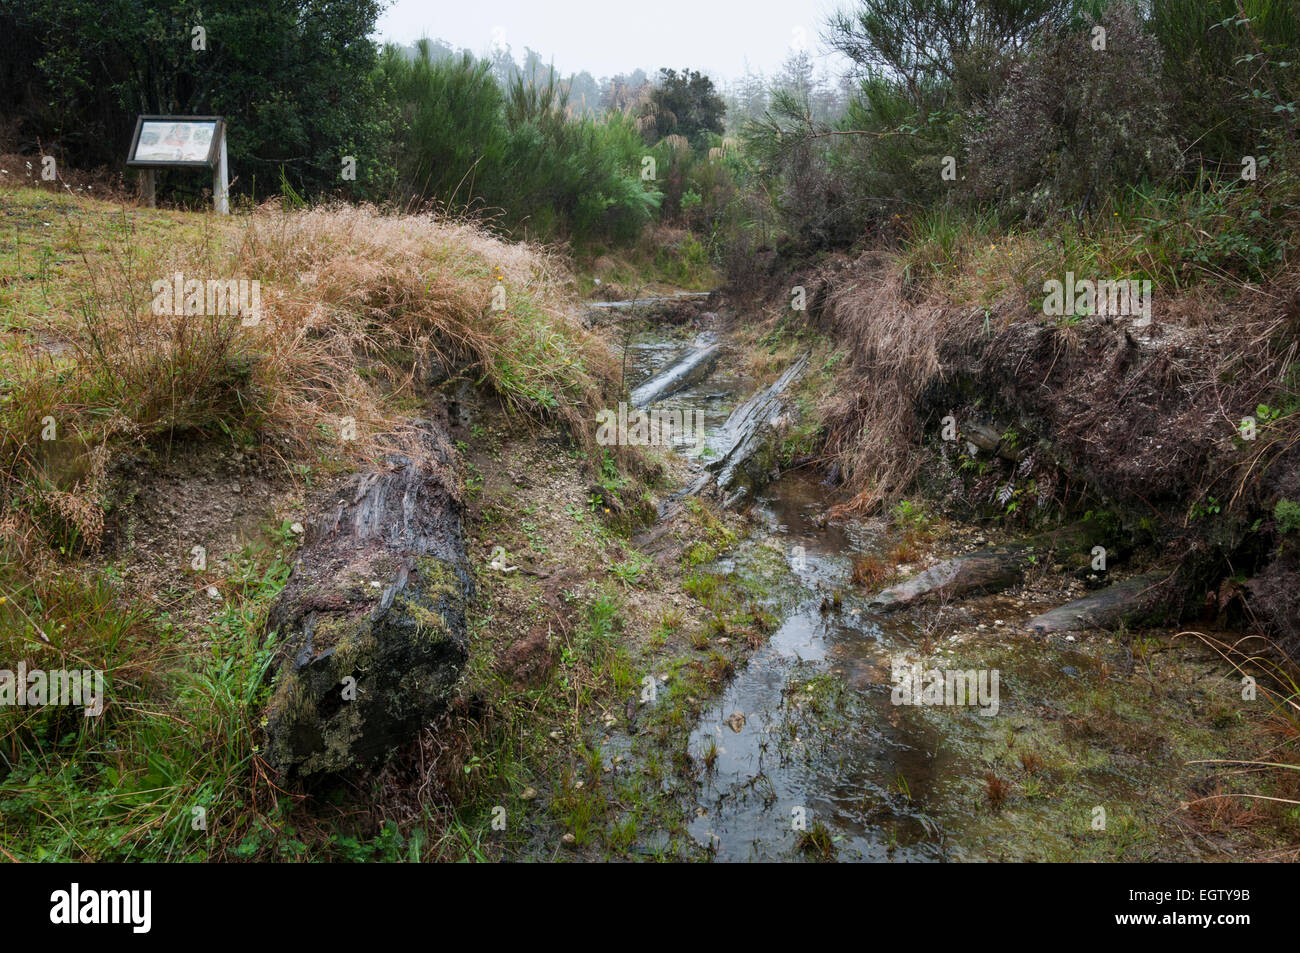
{"x": 741, "y": 468}
{"x": 693, "y": 367}
{"x": 647, "y": 302}
{"x": 371, "y": 623}
{"x": 1137, "y": 600}
{"x": 988, "y": 570}
{"x": 746, "y": 439}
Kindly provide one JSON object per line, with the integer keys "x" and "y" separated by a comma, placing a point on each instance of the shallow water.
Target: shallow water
{"x": 820, "y": 740}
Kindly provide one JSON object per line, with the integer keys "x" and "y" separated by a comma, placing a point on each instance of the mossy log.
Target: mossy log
{"x": 989, "y": 570}
{"x": 371, "y": 624}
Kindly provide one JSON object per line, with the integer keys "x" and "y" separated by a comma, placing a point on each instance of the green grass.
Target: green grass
{"x": 166, "y": 773}
{"x": 1216, "y": 232}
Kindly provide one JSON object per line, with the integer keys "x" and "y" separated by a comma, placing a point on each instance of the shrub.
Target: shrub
{"x": 1075, "y": 123}
{"x": 516, "y": 157}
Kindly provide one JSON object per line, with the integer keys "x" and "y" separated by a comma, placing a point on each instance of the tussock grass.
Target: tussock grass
{"x": 359, "y": 310}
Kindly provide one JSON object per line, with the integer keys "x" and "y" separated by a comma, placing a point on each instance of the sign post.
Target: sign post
{"x": 221, "y": 178}
{"x": 186, "y": 142}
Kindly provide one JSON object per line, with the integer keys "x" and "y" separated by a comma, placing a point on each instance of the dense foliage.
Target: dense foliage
{"x": 515, "y": 154}
{"x": 1036, "y": 110}
{"x": 298, "y": 78}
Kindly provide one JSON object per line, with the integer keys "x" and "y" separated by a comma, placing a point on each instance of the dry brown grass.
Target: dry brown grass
{"x": 906, "y": 551}
{"x": 1207, "y": 363}
{"x": 360, "y": 312}
{"x": 996, "y": 789}
{"x": 870, "y": 572}
{"x": 897, "y": 350}
{"x": 410, "y": 297}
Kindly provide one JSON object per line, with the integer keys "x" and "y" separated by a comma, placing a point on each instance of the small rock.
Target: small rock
{"x": 297, "y": 529}
{"x": 528, "y": 794}
{"x": 213, "y": 594}
{"x": 568, "y": 840}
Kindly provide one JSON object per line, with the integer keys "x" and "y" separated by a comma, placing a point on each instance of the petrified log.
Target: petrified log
{"x": 988, "y": 570}
{"x": 744, "y": 463}
{"x": 372, "y": 620}
{"x": 647, "y": 302}
{"x": 1136, "y": 600}
{"x": 746, "y": 440}
{"x": 692, "y": 367}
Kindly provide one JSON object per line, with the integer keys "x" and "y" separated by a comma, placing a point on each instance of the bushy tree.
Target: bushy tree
{"x": 686, "y": 104}
{"x": 519, "y": 155}
{"x": 936, "y": 49}
{"x": 1083, "y": 116}
{"x": 1236, "y": 78}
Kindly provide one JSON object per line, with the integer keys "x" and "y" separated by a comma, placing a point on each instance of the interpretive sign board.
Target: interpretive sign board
{"x": 184, "y": 141}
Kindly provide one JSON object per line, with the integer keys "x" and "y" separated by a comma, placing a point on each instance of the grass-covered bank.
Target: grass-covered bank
{"x": 363, "y": 317}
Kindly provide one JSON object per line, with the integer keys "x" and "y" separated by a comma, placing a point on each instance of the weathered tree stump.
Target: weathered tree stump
{"x": 372, "y": 621}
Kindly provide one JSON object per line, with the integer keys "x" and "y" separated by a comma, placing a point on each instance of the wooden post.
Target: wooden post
{"x": 221, "y": 181}
{"x": 147, "y": 187}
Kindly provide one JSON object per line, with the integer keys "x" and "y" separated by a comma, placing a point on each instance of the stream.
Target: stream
{"x": 807, "y": 733}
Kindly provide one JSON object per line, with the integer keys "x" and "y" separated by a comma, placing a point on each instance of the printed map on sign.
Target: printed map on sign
{"x": 169, "y": 141}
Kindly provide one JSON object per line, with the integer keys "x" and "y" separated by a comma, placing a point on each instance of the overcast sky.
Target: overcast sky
{"x": 606, "y": 37}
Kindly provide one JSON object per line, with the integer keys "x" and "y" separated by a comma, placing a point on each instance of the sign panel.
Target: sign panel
{"x": 176, "y": 140}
